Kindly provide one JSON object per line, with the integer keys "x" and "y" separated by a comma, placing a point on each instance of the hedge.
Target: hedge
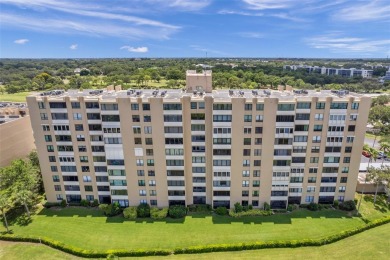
{"x": 156, "y": 213}
{"x": 130, "y": 212}
{"x": 196, "y": 249}
{"x": 251, "y": 212}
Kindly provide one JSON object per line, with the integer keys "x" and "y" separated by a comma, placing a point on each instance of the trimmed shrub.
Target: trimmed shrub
{"x": 130, "y": 212}
{"x": 348, "y": 205}
{"x": 250, "y": 207}
{"x": 221, "y": 211}
{"x": 63, "y": 203}
{"x": 143, "y": 211}
{"x": 110, "y": 209}
{"x": 84, "y": 203}
{"x": 266, "y": 206}
{"x": 95, "y": 203}
{"x": 252, "y": 212}
{"x": 238, "y": 208}
{"x": 336, "y": 203}
{"x": 156, "y": 213}
{"x": 177, "y": 211}
{"x": 199, "y": 208}
{"x": 51, "y": 204}
{"x": 313, "y": 206}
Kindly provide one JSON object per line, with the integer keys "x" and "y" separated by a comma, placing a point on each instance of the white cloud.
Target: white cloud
{"x": 21, "y": 41}
{"x": 73, "y": 47}
{"x": 92, "y": 29}
{"x": 135, "y": 49}
{"x": 251, "y": 35}
{"x": 184, "y": 5}
{"x": 365, "y": 11}
{"x": 122, "y": 25}
{"x": 335, "y": 42}
{"x": 239, "y": 13}
{"x": 269, "y": 4}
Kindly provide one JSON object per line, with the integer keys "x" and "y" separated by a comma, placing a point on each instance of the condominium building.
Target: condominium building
{"x": 352, "y": 72}
{"x": 198, "y": 145}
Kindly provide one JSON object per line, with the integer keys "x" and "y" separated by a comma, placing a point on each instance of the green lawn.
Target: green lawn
{"x": 17, "y": 97}
{"x": 371, "y": 244}
{"x": 371, "y": 212}
{"x": 88, "y": 229}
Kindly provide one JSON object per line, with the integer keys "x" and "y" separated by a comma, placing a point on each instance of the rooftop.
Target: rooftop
{"x": 222, "y": 94}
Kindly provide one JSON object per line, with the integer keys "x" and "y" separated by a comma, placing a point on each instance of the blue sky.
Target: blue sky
{"x": 190, "y": 28}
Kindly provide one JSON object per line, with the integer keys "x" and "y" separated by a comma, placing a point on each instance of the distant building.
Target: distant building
{"x": 16, "y": 134}
{"x": 352, "y": 72}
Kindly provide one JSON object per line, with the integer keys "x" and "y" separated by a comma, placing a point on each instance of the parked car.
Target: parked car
{"x": 366, "y": 154}
{"x": 381, "y": 155}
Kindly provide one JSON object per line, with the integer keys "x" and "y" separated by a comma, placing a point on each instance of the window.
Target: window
{"x": 44, "y": 116}
{"x": 141, "y": 182}
{"x": 257, "y": 163}
{"x": 137, "y": 140}
{"x": 245, "y": 183}
{"x": 54, "y": 168}
{"x": 56, "y": 178}
{"x": 194, "y": 105}
{"x": 222, "y": 130}
{"x": 140, "y": 173}
{"x": 91, "y": 105}
{"x": 259, "y": 107}
{"x": 347, "y": 160}
{"x": 300, "y": 138}
{"x": 247, "y": 141}
{"x": 343, "y": 179}
{"x": 147, "y": 118}
{"x": 87, "y": 179}
{"x": 313, "y": 170}
{"x": 222, "y": 106}
{"x": 302, "y": 117}
{"x": 309, "y": 199}
{"x": 57, "y": 105}
{"x": 281, "y": 162}
{"x": 245, "y": 173}
{"x": 320, "y": 105}
{"x": 221, "y": 162}
{"x": 342, "y": 189}
{"x": 313, "y": 159}
{"x": 259, "y": 118}
{"x": 75, "y": 105}
{"x": 331, "y": 159}
{"x": 142, "y": 192}
{"x": 198, "y": 159}
{"x": 198, "y": 149}
{"x": 50, "y": 148}
{"x": 52, "y": 159}
{"x": 351, "y": 128}
{"x": 303, "y": 105}
{"x": 317, "y": 128}
{"x": 353, "y": 117}
{"x": 247, "y": 118}
{"x": 245, "y": 193}
{"x": 256, "y": 183}
{"x": 140, "y": 162}
{"x": 83, "y": 148}
{"x": 350, "y": 139}
{"x": 281, "y": 118}
{"x": 258, "y": 130}
{"x": 135, "y": 118}
{"x": 201, "y": 105}
{"x": 246, "y": 163}
{"x": 77, "y": 116}
{"x": 109, "y": 107}
{"x": 196, "y": 127}
{"x": 145, "y": 107}
{"x": 246, "y": 152}
{"x": 172, "y": 118}
{"x": 198, "y": 138}
{"x": 256, "y": 173}
{"x": 338, "y": 105}
{"x": 222, "y": 118}
{"x": 302, "y": 128}
{"x": 355, "y": 106}
{"x": 80, "y": 138}
{"x": 175, "y": 162}
{"x": 345, "y": 170}
{"x": 312, "y": 179}
{"x": 286, "y": 107}
{"x": 45, "y": 128}
{"x": 41, "y": 105}
{"x": 57, "y": 187}
{"x": 48, "y": 138}
{"x": 348, "y": 149}
{"x": 257, "y": 152}
{"x": 153, "y": 193}
{"x": 319, "y": 117}
{"x": 316, "y": 139}
{"x": 147, "y": 129}
{"x": 134, "y": 106}
{"x": 173, "y": 106}
{"x": 83, "y": 158}
{"x": 222, "y": 140}
{"x": 247, "y": 130}
{"x": 116, "y": 172}
{"x": 311, "y": 189}
{"x": 59, "y": 116}
{"x": 152, "y": 183}
{"x": 174, "y": 151}
{"x": 151, "y": 173}
{"x": 149, "y": 152}
{"x": 248, "y": 107}
{"x": 198, "y": 116}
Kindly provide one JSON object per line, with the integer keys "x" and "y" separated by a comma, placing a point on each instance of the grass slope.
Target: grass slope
{"x": 371, "y": 244}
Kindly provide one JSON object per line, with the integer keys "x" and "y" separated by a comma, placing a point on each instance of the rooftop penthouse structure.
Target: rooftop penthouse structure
{"x": 198, "y": 145}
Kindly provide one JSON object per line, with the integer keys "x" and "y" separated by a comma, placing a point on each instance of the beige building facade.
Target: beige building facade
{"x": 194, "y": 147}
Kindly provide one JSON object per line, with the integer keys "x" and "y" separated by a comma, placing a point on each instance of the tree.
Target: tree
{"x": 378, "y": 177}
{"x": 22, "y": 196}
{"x": 385, "y": 148}
{"x": 5, "y": 205}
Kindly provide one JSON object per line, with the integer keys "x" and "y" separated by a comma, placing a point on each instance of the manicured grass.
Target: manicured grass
{"x": 369, "y": 211}
{"x": 88, "y": 229}
{"x": 17, "y": 97}
{"x": 371, "y": 244}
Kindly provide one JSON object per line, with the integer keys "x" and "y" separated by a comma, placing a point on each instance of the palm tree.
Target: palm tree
{"x": 385, "y": 148}
{"x": 22, "y": 196}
